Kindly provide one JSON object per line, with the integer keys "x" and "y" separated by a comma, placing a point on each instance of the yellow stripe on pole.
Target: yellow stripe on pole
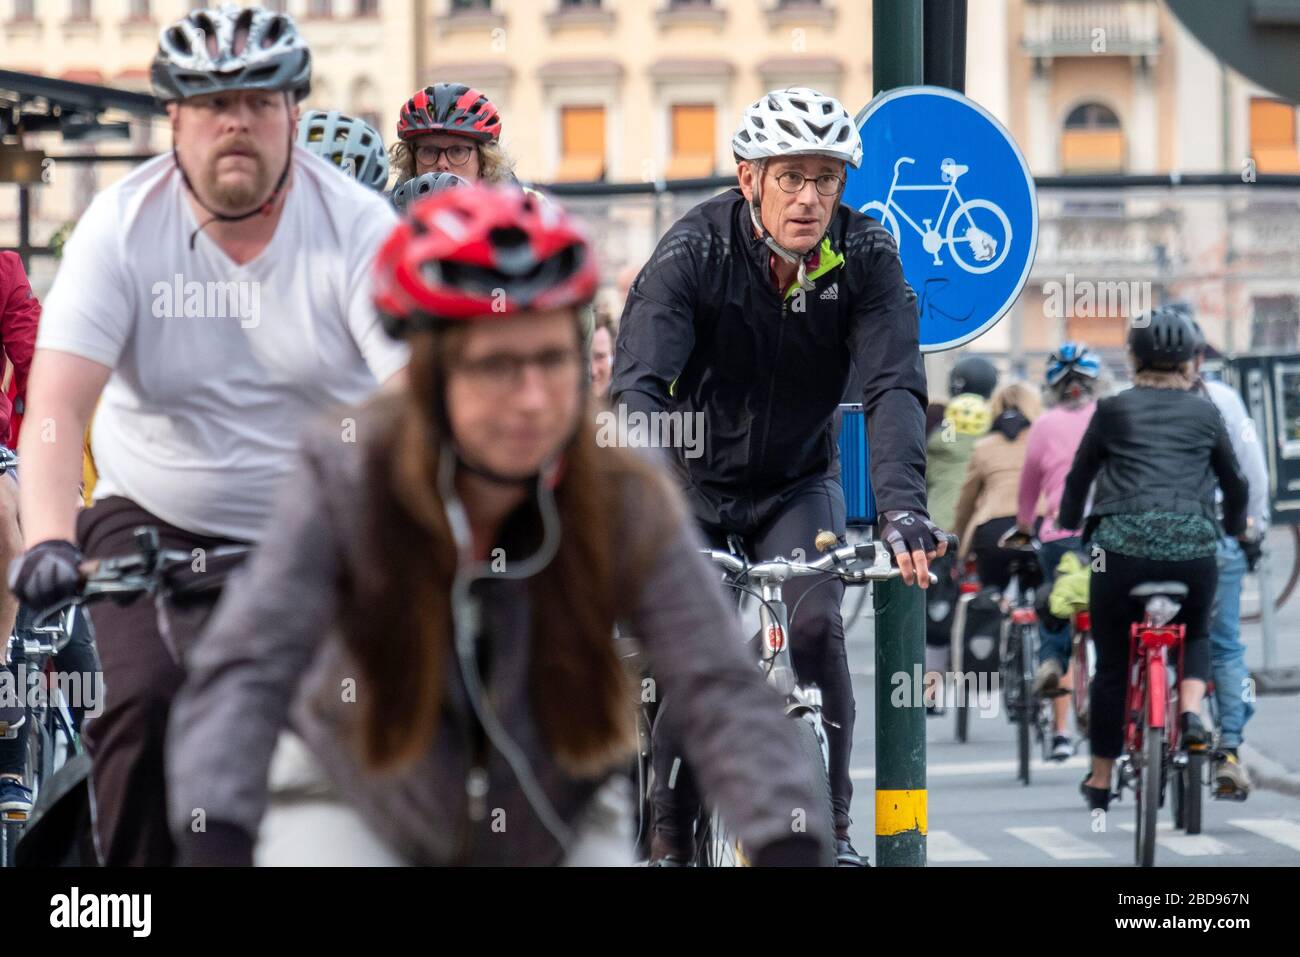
{"x": 900, "y": 811}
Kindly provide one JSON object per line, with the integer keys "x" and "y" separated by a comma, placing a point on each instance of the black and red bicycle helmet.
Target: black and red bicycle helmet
{"x": 478, "y": 253}
{"x": 449, "y": 108}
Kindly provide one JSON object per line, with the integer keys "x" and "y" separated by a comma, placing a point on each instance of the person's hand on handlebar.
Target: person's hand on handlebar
{"x": 914, "y": 541}
{"x": 46, "y": 573}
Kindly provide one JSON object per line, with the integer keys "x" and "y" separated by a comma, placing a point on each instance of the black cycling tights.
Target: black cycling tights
{"x": 816, "y": 644}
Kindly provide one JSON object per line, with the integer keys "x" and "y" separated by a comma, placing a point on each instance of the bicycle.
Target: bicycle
{"x": 1151, "y": 738}
{"x": 715, "y": 846}
{"x": 987, "y": 251}
{"x": 151, "y": 570}
{"x": 1029, "y": 711}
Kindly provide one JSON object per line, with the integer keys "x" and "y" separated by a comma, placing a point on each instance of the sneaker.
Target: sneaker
{"x": 1192, "y": 731}
{"x": 1098, "y": 798}
{"x": 1062, "y": 747}
{"x": 846, "y": 856}
{"x": 15, "y": 798}
{"x": 1230, "y": 777}
{"x": 1047, "y": 678}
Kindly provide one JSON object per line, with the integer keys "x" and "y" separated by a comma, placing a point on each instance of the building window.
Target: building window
{"x": 580, "y": 4}
{"x": 1275, "y": 325}
{"x": 693, "y": 134}
{"x": 1092, "y": 141}
{"x": 582, "y": 144}
{"x": 1273, "y": 136}
{"x": 320, "y": 8}
{"x": 464, "y": 6}
{"x": 275, "y": 6}
{"x": 367, "y": 8}
{"x": 79, "y": 10}
{"x": 138, "y": 10}
{"x": 25, "y": 10}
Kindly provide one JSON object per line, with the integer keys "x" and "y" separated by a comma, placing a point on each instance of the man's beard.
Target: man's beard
{"x": 233, "y": 196}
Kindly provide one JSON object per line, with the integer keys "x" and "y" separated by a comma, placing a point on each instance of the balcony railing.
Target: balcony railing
{"x": 1085, "y": 28}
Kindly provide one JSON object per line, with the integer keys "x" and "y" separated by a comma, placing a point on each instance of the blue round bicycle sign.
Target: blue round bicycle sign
{"x": 948, "y": 181}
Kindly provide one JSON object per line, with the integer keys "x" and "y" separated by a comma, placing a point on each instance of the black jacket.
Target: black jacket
{"x": 767, "y": 372}
{"x": 1155, "y": 450}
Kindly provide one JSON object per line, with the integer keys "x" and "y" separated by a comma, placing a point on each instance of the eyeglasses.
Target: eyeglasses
{"x": 504, "y": 371}
{"x": 791, "y": 181}
{"x": 457, "y": 155}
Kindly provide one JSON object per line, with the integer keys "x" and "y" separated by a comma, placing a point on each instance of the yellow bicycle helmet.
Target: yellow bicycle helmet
{"x": 969, "y": 414}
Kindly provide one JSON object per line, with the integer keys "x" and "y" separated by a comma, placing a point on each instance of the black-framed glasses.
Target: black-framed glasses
{"x": 504, "y": 371}
{"x": 457, "y": 155}
{"x": 791, "y": 181}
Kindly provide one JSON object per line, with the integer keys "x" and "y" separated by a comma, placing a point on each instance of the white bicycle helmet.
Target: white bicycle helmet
{"x": 794, "y": 122}
{"x": 231, "y": 48}
{"x": 797, "y": 121}
{"x": 353, "y": 145}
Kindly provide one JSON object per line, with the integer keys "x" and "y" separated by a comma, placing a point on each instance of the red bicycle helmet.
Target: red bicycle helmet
{"x": 477, "y": 253}
{"x": 450, "y": 108}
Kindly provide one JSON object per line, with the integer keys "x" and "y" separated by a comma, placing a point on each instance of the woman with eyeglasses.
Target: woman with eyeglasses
{"x": 450, "y": 128}
{"x": 432, "y": 613}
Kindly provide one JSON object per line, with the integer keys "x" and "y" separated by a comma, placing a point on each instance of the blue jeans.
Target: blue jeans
{"x": 1055, "y": 642}
{"x": 1232, "y": 690}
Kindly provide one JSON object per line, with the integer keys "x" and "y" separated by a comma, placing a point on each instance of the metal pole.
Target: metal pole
{"x": 901, "y": 799}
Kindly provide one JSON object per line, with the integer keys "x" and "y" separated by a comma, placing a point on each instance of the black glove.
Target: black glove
{"x": 1253, "y": 550}
{"x": 46, "y": 573}
{"x": 907, "y": 531}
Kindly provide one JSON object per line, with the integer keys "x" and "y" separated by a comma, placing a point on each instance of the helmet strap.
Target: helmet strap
{"x": 789, "y": 255}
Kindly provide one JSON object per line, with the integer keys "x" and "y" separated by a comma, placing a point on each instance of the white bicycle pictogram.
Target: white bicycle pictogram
{"x": 973, "y": 248}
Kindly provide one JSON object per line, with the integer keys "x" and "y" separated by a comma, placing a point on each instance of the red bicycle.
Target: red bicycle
{"x": 1082, "y": 664}
{"x": 1151, "y": 745}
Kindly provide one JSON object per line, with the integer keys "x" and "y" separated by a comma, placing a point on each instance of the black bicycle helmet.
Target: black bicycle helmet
{"x": 426, "y": 184}
{"x": 1163, "y": 339}
{"x": 973, "y": 374}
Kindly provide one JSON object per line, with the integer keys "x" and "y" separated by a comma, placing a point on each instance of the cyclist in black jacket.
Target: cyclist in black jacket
{"x": 751, "y": 316}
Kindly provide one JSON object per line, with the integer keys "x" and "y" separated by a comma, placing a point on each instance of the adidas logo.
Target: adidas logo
{"x": 831, "y": 292}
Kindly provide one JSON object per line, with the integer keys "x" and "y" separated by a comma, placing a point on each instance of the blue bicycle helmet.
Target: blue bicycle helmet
{"x": 1072, "y": 357}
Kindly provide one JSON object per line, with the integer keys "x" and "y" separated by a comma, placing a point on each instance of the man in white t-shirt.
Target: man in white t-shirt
{"x": 217, "y": 297}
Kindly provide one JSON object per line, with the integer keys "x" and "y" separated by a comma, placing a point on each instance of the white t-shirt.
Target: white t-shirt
{"x": 216, "y": 366}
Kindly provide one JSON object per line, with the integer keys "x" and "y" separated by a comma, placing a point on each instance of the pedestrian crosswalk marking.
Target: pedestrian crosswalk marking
{"x": 944, "y": 847}
{"x": 965, "y": 768}
{"x": 1058, "y": 843}
{"x": 1186, "y": 845}
{"x": 1286, "y": 833}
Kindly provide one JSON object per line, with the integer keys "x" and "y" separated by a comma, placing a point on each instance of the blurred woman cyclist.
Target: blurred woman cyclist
{"x": 1157, "y": 452}
{"x": 1072, "y": 382}
{"x": 432, "y": 611}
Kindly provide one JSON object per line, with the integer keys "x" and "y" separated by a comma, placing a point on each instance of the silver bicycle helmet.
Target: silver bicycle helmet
{"x": 230, "y": 48}
{"x": 353, "y": 145}
{"x": 417, "y": 187}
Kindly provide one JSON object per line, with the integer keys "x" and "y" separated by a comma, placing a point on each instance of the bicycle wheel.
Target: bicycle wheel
{"x": 1178, "y": 796}
{"x": 811, "y": 750}
{"x": 1148, "y": 802}
{"x": 715, "y": 845}
{"x": 1193, "y": 791}
{"x": 1080, "y": 681}
{"x": 1028, "y": 703}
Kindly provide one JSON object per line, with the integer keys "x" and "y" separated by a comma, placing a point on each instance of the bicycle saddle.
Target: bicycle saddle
{"x": 1151, "y": 589}
{"x": 952, "y": 170}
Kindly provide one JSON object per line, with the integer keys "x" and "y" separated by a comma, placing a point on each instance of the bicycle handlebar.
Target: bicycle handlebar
{"x": 836, "y": 562}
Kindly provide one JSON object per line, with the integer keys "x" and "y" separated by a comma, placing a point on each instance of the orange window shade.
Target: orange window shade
{"x": 582, "y": 143}
{"x": 1273, "y": 136}
{"x": 693, "y": 141}
{"x": 1107, "y": 332}
{"x": 1093, "y": 151}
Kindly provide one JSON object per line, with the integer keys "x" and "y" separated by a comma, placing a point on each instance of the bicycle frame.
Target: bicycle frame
{"x": 1148, "y": 689}
{"x": 950, "y": 190}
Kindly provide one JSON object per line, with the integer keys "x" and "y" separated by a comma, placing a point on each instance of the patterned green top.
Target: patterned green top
{"x": 1160, "y": 536}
